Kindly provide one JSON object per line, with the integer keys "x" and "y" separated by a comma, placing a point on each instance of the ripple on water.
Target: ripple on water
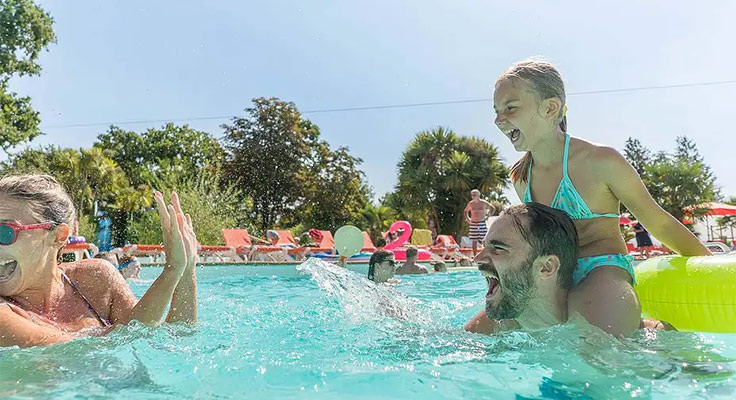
{"x": 326, "y": 332}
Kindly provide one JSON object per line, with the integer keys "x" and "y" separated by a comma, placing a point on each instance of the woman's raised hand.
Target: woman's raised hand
{"x": 180, "y": 243}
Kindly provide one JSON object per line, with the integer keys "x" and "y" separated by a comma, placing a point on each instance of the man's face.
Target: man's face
{"x": 507, "y": 264}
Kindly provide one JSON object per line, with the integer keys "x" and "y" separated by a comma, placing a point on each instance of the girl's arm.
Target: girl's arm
{"x": 627, "y": 186}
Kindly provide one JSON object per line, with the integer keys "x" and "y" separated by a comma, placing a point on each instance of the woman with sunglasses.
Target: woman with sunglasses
{"x": 44, "y": 302}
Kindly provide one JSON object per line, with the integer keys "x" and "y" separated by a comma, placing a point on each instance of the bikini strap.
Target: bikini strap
{"x": 565, "y": 155}
{"x": 103, "y": 321}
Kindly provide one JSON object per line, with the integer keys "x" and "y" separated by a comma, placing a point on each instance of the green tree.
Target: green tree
{"x": 212, "y": 205}
{"x": 25, "y": 30}
{"x": 437, "y": 172}
{"x": 277, "y": 158}
{"x": 334, "y": 192}
{"x": 173, "y": 150}
{"x": 88, "y": 175}
{"x": 375, "y": 219}
{"x": 680, "y": 180}
{"x": 637, "y": 155}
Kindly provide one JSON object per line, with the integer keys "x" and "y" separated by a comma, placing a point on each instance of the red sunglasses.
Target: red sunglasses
{"x": 9, "y": 231}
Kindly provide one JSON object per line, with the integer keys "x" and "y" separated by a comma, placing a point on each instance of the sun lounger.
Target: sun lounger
{"x": 80, "y": 250}
{"x": 325, "y": 245}
{"x": 368, "y": 246}
{"x": 241, "y": 241}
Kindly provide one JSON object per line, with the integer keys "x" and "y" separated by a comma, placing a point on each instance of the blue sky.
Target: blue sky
{"x": 123, "y": 61}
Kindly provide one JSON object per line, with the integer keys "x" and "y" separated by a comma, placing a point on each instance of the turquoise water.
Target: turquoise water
{"x": 323, "y": 332}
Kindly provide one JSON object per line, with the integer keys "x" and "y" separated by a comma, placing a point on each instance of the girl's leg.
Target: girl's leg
{"x": 606, "y": 299}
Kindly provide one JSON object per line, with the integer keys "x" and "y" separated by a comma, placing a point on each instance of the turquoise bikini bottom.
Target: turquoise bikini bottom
{"x": 587, "y": 264}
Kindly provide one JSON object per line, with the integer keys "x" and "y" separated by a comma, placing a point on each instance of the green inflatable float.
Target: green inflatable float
{"x": 691, "y": 293}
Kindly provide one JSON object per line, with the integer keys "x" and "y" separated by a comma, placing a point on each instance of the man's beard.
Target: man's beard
{"x": 517, "y": 289}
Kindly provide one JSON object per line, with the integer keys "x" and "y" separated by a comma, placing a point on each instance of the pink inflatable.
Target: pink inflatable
{"x": 397, "y": 246}
{"x": 404, "y": 236}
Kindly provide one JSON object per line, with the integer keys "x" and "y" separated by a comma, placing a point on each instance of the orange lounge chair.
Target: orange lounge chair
{"x": 326, "y": 245}
{"x": 368, "y": 246}
{"x": 220, "y": 253}
{"x": 80, "y": 250}
{"x": 240, "y": 240}
{"x": 152, "y": 250}
{"x": 328, "y": 242}
{"x": 287, "y": 242}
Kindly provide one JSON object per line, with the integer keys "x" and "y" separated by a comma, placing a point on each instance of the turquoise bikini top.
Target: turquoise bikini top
{"x": 567, "y": 197}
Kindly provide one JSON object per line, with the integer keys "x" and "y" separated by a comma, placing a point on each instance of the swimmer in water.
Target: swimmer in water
{"x": 382, "y": 266}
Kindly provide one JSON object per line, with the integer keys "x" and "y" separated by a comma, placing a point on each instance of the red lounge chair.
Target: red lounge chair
{"x": 220, "y": 253}
{"x": 80, "y": 250}
{"x": 326, "y": 245}
{"x": 240, "y": 240}
{"x": 368, "y": 246}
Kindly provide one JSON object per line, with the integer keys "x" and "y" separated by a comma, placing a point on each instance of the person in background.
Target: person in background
{"x": 477, "y": 212}
{"x": 128, "y": 266}
{"x": 381, "y": 267}
{"x": 440, "y": 266}
{"x": 410, "y": 267}
{"x": 643, "y": 241}
{"x": 433, "y": 229}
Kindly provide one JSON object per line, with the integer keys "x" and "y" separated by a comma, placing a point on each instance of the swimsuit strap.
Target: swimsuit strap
{"x": 103, "y": 321}
{"x": 565, "y": 156}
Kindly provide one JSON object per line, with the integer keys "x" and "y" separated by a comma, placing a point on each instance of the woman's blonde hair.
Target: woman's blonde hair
{"x": 545, "y": 82}
{"x": 47, "y": 200}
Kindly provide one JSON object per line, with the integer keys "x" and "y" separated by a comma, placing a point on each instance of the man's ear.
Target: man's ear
{"x": 62, "y": 234}
{"x": 549, "y": 266}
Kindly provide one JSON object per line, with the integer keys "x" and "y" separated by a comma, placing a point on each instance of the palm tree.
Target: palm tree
{"x": 376, "y": 219}
{"x": 438, "y": 170}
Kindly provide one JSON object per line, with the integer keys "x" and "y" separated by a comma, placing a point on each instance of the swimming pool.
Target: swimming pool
{"x": 324, "y": 332}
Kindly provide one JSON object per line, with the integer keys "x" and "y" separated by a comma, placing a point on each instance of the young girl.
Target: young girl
{"x": 588, "y": 181}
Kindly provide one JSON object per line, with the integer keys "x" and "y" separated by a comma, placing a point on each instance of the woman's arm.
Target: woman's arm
{"x": 152, "y": 306}
{"x": 628, "y": 187}
{"x": 16, "y": 330}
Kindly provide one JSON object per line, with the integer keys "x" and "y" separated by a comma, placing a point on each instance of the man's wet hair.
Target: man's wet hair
{"x": 377, "y": 258}
{"x": 411, "y": 251}
{"x": 549, "y": 232}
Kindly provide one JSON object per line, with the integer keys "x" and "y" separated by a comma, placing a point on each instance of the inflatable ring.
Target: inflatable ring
{"x": 404, "y": 236}
{"x": 691, "y": 293}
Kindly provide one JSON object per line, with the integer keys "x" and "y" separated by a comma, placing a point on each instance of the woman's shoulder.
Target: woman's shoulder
{"x": 90, "y": 270}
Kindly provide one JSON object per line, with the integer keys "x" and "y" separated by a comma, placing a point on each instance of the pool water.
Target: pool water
{"x": 320, "y": 331}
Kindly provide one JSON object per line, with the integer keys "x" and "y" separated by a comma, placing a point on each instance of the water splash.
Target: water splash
{"x": 363, "y": 300}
